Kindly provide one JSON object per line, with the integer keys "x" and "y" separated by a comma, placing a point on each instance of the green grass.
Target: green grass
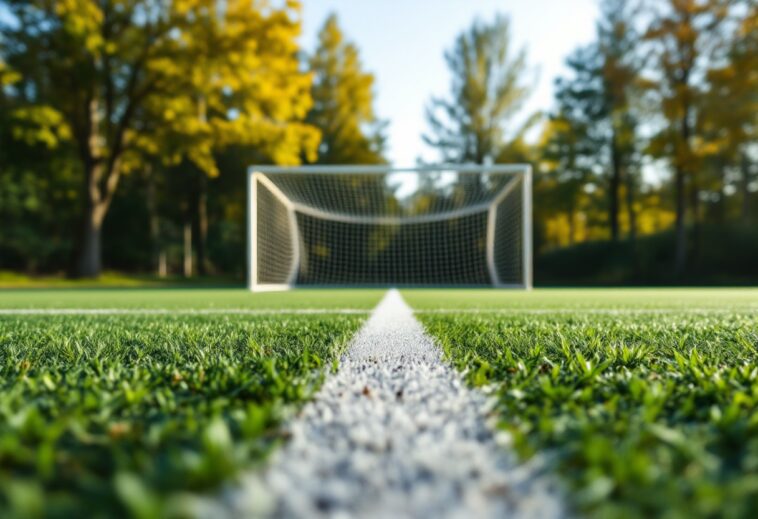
{"x": 645, "y": 400}
{"x": 101, "y": 415}
{"x": 187, "y": 298}
{"x": 11, "y": 279}
{"x": 630, "y": 299}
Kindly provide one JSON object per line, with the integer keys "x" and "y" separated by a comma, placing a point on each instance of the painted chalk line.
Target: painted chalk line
{"x": 394, "y": 433}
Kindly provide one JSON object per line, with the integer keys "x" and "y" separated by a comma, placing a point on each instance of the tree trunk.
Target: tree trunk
{"x": 694, "y": 250}
{"x": 613, "y": 192}
{"x": 154, "y": 223}
{"x": 162, "y": 264}
{"x": 680, "y": 261}
{"x": 628, "y": 177}
{"x": 571, "y": 222}
{"x": 101, "y": 177}
{"x": 745, "y": 187}
{"x": 721, "y": 204}
{"x": 202, "y": 225}
{"x": 187, "y": 250}
{"x": 89, "y": 262}
{"x": 681, "y": 195}
{"x": 630, "y": 186}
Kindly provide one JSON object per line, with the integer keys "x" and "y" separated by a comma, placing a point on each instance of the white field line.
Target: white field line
{"x": 394, "y": 433}
{"x": 181, "y": 311}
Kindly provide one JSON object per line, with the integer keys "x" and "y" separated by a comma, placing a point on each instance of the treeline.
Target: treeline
{"x": 126, "y": 127}
{"x": 654, "y": 129}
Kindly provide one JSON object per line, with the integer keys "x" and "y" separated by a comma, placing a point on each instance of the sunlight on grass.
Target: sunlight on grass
{"x": 91, "y": 407}
{"x": 188, "y": 298}
{"x": 645, "y": 415}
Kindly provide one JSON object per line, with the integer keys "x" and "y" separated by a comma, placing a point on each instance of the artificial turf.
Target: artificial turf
{"x": 187, "y": 298}
{"x": 545, "y": 300}
{"x": 103, "y": 415}
{"x": 645, "y": 401}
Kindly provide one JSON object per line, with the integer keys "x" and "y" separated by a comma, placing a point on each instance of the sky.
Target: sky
{"x": 402, "y": 43}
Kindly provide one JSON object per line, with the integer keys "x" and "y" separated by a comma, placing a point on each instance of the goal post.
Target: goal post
{"x": 343, "y": 226}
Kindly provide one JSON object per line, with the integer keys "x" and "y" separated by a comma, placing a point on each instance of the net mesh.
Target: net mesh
{"x": 409, "y": 228}
{"x": 275, "y": 250}
{"x": 509, "y": 236}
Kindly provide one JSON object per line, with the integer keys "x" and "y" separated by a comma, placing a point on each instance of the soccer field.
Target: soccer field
{"x": 643, "y": 401}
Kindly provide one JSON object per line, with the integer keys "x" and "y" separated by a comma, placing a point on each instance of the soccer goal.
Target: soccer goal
{"x": 383, "y": 226}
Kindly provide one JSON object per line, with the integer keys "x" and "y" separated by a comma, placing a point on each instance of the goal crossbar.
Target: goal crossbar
{"x": 341, "y": 169}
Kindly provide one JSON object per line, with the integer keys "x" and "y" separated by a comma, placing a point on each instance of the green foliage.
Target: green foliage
{"x": 683, "y": 35}
{"x": 487, "y": 92}
{"x": 37, "y": 193}
{"x": 730, "y": 116}
{"x": 343, "y": 99}
{"x": 100, "y": 415}
{"x": 126, "y": 83}
{"x": 646, "y": 413}
{"x": 7, "y": 76}
{"x": 592, "y": 136}
{"x": 175, "y": 93}
{"x": 669, "y": 80}
{"x": 639, "y": 262}
{"x": 567, "y": 166}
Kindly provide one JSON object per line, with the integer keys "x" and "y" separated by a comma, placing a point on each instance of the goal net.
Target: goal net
{"x": 382, "y": 226}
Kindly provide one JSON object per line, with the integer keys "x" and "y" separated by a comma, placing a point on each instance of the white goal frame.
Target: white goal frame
{"x": 256, "y": 174}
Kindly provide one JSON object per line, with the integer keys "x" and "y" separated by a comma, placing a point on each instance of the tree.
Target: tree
{"x": 621, "y": 63}
{"x": 343, "y": 100}
{"x": 488, "y": 90}
{"x": 682, "y": 36}
{"x": 567, "y": 159}
{"x": 598, "y": 95}
{"x": 122, "y": 80}
{"x": 7, "y": 77}
{"x": 244, "y": 89}
{"x": 730, "y": 112}
{"x": 36, "y": 188}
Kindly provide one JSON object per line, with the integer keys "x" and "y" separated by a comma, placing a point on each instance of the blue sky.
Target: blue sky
{"x": 402, "y": 43}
